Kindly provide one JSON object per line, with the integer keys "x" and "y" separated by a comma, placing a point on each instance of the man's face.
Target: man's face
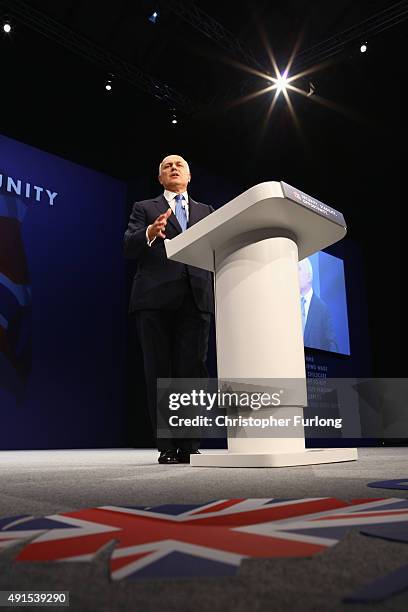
{"x": 174, "y": 174}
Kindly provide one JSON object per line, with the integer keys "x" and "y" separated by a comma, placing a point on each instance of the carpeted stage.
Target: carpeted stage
{"x": 44, "y": 482}
{"x": 41, "y": 483}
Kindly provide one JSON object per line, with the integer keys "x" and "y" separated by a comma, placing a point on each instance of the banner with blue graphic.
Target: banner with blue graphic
{"x": 62, "y": 302}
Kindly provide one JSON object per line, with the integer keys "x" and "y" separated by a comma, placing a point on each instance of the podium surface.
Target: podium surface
{"x": 253, "y": 245}
{"x": 266, "y": 211}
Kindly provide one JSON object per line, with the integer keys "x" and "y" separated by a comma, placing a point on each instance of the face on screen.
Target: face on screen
{"x": 305, "y": 275}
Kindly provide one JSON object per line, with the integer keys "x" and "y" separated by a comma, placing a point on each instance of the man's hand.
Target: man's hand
{"x": 157, "y": 228}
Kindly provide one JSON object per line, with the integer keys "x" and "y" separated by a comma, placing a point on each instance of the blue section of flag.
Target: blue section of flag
{"x": 395, "y": 505}
{"x": 181, "y": 565}
{"x": 41, "y": 523}
{"x": 331, "y": 532}
{"x": 11, "y": 519}
{"x": 400, "y": 483}
{"x": 397, "y": 532}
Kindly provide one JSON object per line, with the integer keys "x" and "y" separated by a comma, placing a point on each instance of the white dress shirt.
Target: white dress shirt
{"x": 308, "y": 297}
{"x": 170, "y": 197}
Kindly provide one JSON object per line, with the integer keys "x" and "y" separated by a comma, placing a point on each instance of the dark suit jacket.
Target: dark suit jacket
{"x": 159, "y": 283}
{"x": 319, "y": 332}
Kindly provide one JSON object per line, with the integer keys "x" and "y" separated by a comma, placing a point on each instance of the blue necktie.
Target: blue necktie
{"x": 303, "y": 308}
{"x": 181, "y": 214}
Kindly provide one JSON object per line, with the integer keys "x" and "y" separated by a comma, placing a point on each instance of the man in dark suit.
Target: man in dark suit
{"x": 171, "y": 303}
{"x": 317, "y": 323}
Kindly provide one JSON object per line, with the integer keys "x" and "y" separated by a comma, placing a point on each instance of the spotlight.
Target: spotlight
{"x": 363, "y": 48}
{"x": 281, "y": 82}
{"x": 153, "y": 17}
{"x": 6, "y": 27}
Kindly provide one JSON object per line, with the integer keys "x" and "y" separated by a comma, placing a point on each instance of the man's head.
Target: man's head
{"x": 174, "y": 173}
{"x": 305, "y": 275}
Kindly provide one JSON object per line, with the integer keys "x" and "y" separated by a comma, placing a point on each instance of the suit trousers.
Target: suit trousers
{"x": 174, "y": 345}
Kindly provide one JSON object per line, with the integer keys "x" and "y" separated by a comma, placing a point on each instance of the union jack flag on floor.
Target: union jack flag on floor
{"x": 197, "y": 540}
{"x": 15, "y": 298}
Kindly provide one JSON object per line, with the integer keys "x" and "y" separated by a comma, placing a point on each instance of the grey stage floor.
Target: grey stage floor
{"x": 51, "y": 481}
{"x": 45, "y": 482}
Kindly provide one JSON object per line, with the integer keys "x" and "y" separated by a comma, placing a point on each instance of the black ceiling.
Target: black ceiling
{"x": 54, "y": 97}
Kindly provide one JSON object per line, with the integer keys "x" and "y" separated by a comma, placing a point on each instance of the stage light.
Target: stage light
{"x": 363, "y": 48}
{"x": 153, "y": 17}
{"x": 108, "y": 85}
{"x": 6, "y": 27}
{"x": 281, "y": 82}
{"x": 275, "y": 82}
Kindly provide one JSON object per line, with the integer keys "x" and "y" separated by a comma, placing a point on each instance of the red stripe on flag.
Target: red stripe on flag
{"x": 64, "y": 547}
{"x": 217, "y": 507}
{"x": 273, "y": 513}
{"x": 355, "y": 515}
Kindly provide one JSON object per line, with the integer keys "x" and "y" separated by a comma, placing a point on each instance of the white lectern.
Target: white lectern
{"x": 253, "y": 245}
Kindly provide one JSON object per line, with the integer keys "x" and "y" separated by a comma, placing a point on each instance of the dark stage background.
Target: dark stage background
{"x": 345, "y": 147}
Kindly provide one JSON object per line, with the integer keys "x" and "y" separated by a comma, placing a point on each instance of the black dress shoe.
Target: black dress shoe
{"x": 167, "y": 457}
{"x": 183, "y": 456}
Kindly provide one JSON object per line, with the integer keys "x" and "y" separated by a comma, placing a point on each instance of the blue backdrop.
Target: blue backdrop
{"x": 62, "y": 302}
